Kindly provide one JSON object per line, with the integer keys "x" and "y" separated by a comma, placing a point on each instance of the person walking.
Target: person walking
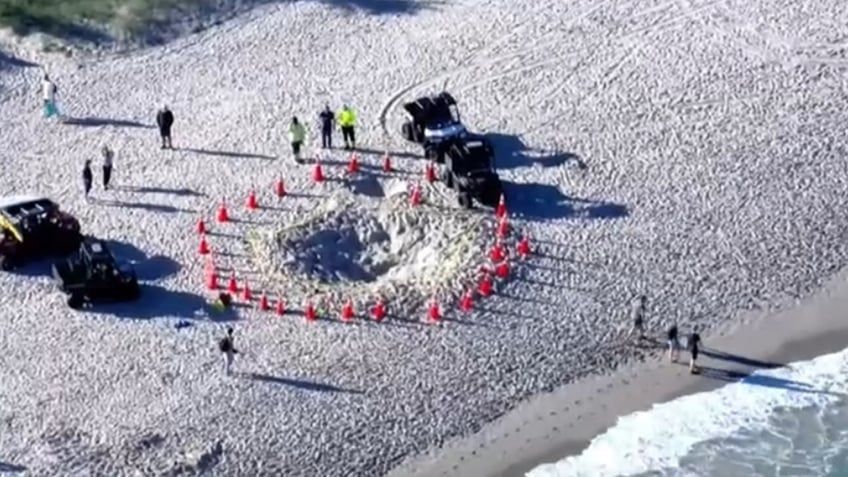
{"x": 673, "y": 344}
{"x": 108, "y": 157}
{"x": 297, "y": 134}
{"x": 165, "y": 119}
{"x": 638, "y": 316}
{"x": 694, "y": 347}
{"x": 347, "y": 121}
{"x": 48, "y": 93}
{"x": 87, "y": 178}
{"x": 328, "y": 120}
{"x": 228, "y": 348}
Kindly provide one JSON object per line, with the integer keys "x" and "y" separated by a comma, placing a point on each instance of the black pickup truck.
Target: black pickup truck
{"x": 94, "y": 275}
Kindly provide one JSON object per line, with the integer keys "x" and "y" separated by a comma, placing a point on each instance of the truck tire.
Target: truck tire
{"x": 449, "y": 179}
{"x": 76, "y": 301}
{"x": 408, "y": 131}
{"x": 465, "y": 200}
{"x": 6, "y": 263}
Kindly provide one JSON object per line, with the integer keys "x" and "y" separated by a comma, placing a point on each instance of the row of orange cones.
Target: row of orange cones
{"x": 378, "y": 311}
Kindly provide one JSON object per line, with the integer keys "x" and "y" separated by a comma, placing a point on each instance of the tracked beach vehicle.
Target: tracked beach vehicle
{"x": 93, "y": 275}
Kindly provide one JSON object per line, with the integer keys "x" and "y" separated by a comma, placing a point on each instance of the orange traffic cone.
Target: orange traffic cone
{"x": 501, "y": 210}
{"x": 211, "y": 280}
{"x": 245, "y": 292}
{"x": 232, "y": 285}
{"x": 497, "y": 253}
{"x": 523, "y": 247}
{"x": 252, "y": 203}
{"x": 502, "y": 270}
{"x": 201, "y": 226}
{"x": 434, "y": 313}
{"x": 485, "y": 287}
{"x": 280, "y": 188}
{"x": 379, "y": 310}
{"x": 467, "y": 303}
{"x": 415, "y": 198}
{"x": 310, "y": 311}
{"x": 387, "y": 163}
{"x": 223, "y": 216}
{"x": 280, "y": 309}
{"x": 503, "y": 227}
{"x": 263, "y": 303}
{"x": 430, "y": 173}
{"x": 204, "y": 247}
{"x": 353, "y": 165}
{"x": 347, "y": 311}
{"x": 317, "y": 172}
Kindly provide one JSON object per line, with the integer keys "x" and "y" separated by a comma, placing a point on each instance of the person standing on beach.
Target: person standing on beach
{"x": 165, "y": 119}
{"x": 638, "y": 315}
{"x": 48, "y": 92}
{"x": 694, "y": 344}
{"x": 347, "y": 121}
{"x": 328, "y": 120}
{"x": 673, "y": 344}
{"x": 108, "y": 156}
{"x": 228, "y": 348}
{"x": 297, "y": 134}
{"x": 87, "y": 178}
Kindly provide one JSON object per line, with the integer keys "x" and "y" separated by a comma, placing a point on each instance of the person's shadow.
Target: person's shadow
{"x": 300, "y": 383}
{"x": 755, "y": 379}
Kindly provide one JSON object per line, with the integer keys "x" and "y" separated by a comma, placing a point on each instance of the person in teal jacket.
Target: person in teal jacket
{"x": 297, "y": 134}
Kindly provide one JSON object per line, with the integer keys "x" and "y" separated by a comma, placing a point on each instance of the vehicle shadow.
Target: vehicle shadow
{"x": 147, "y": 268}
{"x": 95, "y": 122}
{"x": 511, "y": 153}
{"x": 159, "y": 302}
{"x": 545, "y": 201}
{"x": 300, "y": 383}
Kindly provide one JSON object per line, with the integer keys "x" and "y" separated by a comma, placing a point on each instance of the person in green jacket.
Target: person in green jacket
{"x": 297, "y": 134}
{"x": 347, "y": 120}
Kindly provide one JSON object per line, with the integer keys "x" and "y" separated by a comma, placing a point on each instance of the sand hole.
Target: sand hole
{"x": 360, "y": 247}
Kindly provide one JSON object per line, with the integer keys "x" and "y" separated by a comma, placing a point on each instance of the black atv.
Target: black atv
{"x": 469, "y": 170}
{"x": 33, "y": 228}
{"x": 435, "y": 122}
{"x": 94, "y": 275}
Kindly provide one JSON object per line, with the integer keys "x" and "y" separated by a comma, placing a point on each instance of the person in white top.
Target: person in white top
{"x": 48, "y": 91}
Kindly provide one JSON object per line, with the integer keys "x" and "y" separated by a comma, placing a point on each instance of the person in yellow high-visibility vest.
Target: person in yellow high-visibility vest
{"x": 347, "y": 121}
{"x": 297, "y": 134}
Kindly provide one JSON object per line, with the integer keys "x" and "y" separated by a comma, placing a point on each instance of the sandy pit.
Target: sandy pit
{"x": 366, "y": 241}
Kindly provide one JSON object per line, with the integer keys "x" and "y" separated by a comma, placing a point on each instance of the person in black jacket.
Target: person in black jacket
{"x": 227, "y": 347}
{"x": 165, "y": 119}
{"x": 87, "y": 178}
{"x": 328, "y": 120}
{"x": 108, "y": 157}
{"x": 694, "y": 347}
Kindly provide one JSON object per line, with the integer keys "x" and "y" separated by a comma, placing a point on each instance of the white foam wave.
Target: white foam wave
{"x": 658, "y": 438}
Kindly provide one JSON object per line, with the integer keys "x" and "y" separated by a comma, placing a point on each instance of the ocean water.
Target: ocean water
{"x": 790, "y": 421}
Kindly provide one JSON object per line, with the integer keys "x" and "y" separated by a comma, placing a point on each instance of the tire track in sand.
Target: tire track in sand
{"x": 446, "y": 75}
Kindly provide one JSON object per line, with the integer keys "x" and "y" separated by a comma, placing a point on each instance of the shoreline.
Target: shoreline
{"x": 549, "y": 427}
